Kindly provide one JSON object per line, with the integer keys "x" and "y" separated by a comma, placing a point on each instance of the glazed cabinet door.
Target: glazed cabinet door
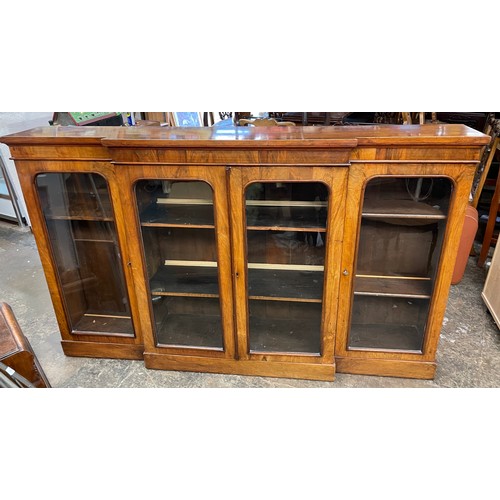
{"x": 82, "y": 235}
{"x": 395, "y": 284}
{"x": 183, "y": 243}
{"x": 287, "y": 225}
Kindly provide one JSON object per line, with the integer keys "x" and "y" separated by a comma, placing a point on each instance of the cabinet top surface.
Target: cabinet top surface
{"x": 312, "y": 136}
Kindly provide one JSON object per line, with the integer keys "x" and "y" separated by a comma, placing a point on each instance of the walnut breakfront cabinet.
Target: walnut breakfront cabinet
{"x": 280, "y": 251}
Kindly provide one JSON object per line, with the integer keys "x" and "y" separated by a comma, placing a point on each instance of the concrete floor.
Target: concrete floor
{"x": 468, "y": 353}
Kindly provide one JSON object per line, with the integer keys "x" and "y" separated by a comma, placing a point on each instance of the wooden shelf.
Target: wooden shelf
{"x": 302, "y": 216}
{"x": 287, "y": 203}
{"x": 286, "y": 218}
{"x": 181, "y": 215}
{"x": 92, "y": 240}
{"x": 88, "y": 211}
{"x": 78, "y": 216}
{"x": 285, "y": 335}
{"x": 173, "y": 279}
{"x": 400, "y": 209}
{"x": 388, "y": 337}
{"x": 104, "y": 324}
{"x": 265, "y": 281}
{"x": 285, "y": 284}
{"x": 390, "y": 286}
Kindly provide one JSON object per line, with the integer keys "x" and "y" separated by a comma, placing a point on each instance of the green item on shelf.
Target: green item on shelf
{"x": 90, "y": 116}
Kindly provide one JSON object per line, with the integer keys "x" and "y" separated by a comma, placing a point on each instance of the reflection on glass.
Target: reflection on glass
{"x": 286, "y": 237}
{"x": 400, "y": 242}
{"x": 178, "y": 234}
{"x": 79, "y": 219}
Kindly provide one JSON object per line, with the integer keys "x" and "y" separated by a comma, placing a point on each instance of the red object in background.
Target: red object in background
{"x": 466, "y": 241}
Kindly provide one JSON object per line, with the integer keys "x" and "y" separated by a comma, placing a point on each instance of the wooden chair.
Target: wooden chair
{"x": 492, "y": 128}
{"x": 265, "y": 122}
{"x": 490, "y": 226}
{"x": 409, "y": 118}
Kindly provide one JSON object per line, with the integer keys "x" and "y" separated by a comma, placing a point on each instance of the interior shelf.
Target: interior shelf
{"x": 285, "y": 218}
{"x": 182, "y": 278}
{"x": 387, "y": 337}
{"x": 93, "y": 240}
{"x": 285, "y": 282}
{"x": 400, "y": 209}
{"x": 265, "y": 281}
{"x": 390, "y": 286}
{"x": 73, "y": 213}
{"x": 178, "y": 215}
{"x": 104, "y": 324}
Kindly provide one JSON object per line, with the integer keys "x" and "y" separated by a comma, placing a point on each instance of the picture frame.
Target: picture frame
{"x": 187, "y": 119}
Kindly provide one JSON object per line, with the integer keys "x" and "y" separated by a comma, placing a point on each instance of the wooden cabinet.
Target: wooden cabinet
{"x": 289, "y": 252}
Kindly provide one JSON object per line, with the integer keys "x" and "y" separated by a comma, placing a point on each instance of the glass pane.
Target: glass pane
{"x": 400, "y": 241}
{"x": 284, "y": 326}
{"x": 187, "y": 321}
{"x": 286, "y": 237}
{"x": 79, "y": 219}
{"x": 388, "y": 323}
{"x": 178, "y": 234}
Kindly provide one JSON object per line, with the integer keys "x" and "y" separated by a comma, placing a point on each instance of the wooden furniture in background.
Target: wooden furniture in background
{"x": 411, "y": 118}
{"x": 288, "y": 252}
{"x": 490, "y": 225}
{"x": 490, "y": 293}
{"x": 16, "y": 351}
{"x": 466, "y": 243}
{"x": 164, "y": 117}
{"x": 306, "y": 118}
{"x": 265, "y": 122}
{"x": 493, "y": 130}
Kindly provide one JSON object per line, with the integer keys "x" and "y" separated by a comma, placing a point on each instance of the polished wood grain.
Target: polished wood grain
{"x": 254, "y": 367}
{"x": 216, "y": 178}
{"x": 386, "y": 367}
{"x": 16, "y": 351}
{"x": 255, "y": 138}
{"x": 102, "y": 350}
{"x": 342, "y": 158}
{"x": 335, "y": 179}
{"x": 360, "y": 174}
{"x": 27, "y": 171}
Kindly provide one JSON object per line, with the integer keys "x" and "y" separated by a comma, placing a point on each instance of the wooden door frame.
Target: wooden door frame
{"x": 215, "y": 176}
{"x": 98, "y": 345}
{"x": 335, "y": 178}
{"x": 399, "y": 363}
